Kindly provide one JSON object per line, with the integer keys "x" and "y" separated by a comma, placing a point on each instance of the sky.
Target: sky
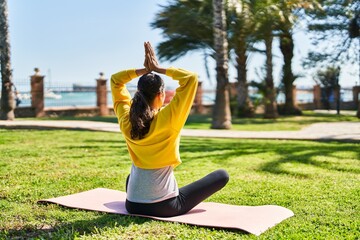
{"x": 72, "y": 41}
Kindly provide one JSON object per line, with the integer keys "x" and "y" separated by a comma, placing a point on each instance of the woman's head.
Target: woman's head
{"x": 150, "y": 85}
{"x": 148, "y": 98}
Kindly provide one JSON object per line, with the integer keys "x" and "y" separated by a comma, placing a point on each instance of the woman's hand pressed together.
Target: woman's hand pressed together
{"x": 151, "y": 62}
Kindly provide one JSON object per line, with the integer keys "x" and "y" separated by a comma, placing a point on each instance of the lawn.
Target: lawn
{"x": 319, "y": 181}
{"x": 258, "y": 123}
{"x": 282, "y": 123}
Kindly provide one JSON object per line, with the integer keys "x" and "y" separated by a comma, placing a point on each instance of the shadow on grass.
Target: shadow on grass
{"x": 71, "y": 230}
{"x": 307, "y": 118}
{"x": 305, "y": 154}
{"x": 102, "y": 146}
{"x": 205, "y": 119}
{"x": 219, "y": 151}
{"x": 316, "y": 154}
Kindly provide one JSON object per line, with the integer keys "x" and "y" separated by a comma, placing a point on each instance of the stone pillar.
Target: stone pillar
{"x": 317, "y": 97}
{"x": 356, "y": 92}
{"x": 101, "y": 95}
{"x": 198, "y": 99}
{"x": 356, "y": 99}
{"x": 37, "y": 93}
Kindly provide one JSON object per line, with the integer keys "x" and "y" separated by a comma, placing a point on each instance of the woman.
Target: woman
{"x": 152, "y": 134}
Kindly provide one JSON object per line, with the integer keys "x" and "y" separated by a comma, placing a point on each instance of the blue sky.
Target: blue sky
{"x": 71, "y": 41}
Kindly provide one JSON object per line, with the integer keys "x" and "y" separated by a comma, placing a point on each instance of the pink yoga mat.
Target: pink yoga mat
{"x": 252, "y": 219}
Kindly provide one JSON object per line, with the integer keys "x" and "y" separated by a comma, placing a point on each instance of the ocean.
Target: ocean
{"x": 88, "y": 99}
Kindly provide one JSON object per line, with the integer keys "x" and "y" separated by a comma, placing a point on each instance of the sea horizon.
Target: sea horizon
{"x": 88, "y": 99}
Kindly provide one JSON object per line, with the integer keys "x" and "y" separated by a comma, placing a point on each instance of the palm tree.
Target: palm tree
{"x": 7, "y": 97}
{"x": 277, "y": 18}
{"x": 340, "y": 20}
{"x": 289, "y": 14}
{"x": 288, "y": 77}
{"x": 221, "y": 112}
{"x": 267, "y": 20}
{"x": 287, "y": 49}
{"x": 242, "y": 27}
{"x": 186, "y": 27}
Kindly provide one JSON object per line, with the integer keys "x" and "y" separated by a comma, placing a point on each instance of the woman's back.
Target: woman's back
{"x": 160, "y": 146}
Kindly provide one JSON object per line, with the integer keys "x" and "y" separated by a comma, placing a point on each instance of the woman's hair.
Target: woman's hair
{"x": 141, "y": 114}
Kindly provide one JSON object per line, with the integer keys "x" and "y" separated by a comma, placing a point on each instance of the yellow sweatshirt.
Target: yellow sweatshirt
{"x": 160, "y": 146}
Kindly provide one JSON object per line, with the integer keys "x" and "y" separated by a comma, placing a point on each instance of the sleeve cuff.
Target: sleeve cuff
{"x": 132, "y": 73}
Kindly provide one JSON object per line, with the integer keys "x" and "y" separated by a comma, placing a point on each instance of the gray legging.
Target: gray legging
{"x": 189, "y": 196}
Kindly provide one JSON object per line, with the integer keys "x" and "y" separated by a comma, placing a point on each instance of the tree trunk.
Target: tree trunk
{"x": 7, "y": 96}
{"x": 221, "y": 113}
{"x": 287, "y": 50}
{"x": 270, "y": 102}
{"x": 245, "y": 107}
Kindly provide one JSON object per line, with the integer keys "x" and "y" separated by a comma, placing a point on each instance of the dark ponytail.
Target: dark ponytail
{"x": 141, "y": 114}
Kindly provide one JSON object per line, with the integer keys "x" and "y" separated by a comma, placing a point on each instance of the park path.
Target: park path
{"x": 340, "y": 131}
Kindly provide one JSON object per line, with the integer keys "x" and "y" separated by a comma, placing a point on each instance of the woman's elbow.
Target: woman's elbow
{"x": 112, "y": 80}
{"x": 194, "y": 77}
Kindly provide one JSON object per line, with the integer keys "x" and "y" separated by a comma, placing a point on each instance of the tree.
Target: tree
{"x": 242, "y": 28}
{"x": 290, "y": 13}
{"x": 186, "y": 26}
{"x": 7, "y": 96}
{"x": 270, "y": 97}
{"x": 267, "y": 20}
{"x": 221, "y": 113}
{"x": 338, "y": 21}
{"x": 288, "y": 77}
{"x": 329, "y": 80}
{"x": 336, "y": 28}
{"x": 175, "y": 19}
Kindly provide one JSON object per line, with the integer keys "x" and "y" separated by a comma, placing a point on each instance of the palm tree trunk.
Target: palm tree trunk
{"x": 287, "y": 50}
{"x": 270, "y": 102}
{"x": 221, "y": 113}
{"x": 244, "y": 108}
{"x": 7, "y": 96}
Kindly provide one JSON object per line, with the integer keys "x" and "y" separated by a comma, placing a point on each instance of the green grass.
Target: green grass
{"x": 319, "y": 181}
{"x": 283, "y": 123}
